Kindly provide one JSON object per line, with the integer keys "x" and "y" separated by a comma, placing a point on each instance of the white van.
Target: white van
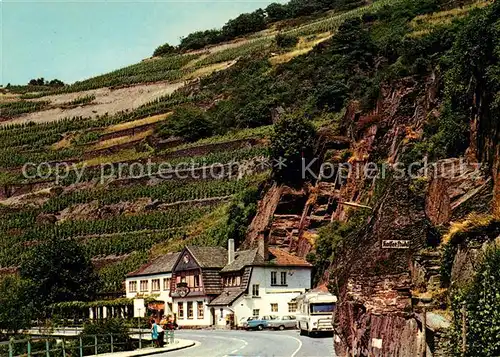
{"x": 315, "y": 312}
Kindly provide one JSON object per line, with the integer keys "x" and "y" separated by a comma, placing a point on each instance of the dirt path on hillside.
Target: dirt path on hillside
{"x": 107, "y": 101}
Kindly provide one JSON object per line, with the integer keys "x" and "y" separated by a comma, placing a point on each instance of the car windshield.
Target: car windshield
{"x": 324, "y": 308}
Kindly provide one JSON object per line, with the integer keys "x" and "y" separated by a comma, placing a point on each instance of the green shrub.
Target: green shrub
{"x": 187, "y": 122}
{"x": 164, "y": 50}
{"x": 481, "y": 301}
{"x": 285, "y": 41}
{"x": 103, "y": 328}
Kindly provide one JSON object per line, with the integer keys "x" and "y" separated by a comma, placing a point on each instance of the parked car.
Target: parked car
{"x": 243, "y": 323}
{"x": 260, "y": 323}
{"x": 283, "y": 322}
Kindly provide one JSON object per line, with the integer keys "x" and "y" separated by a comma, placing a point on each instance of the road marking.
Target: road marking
{"x": 298, "y": 349}
{"x": 245, "y": 344}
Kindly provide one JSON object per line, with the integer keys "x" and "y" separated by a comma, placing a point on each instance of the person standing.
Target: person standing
{"x": 162, "y": 328}
{"x": 154, "y": 332}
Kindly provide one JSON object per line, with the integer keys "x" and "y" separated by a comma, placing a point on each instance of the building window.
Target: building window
{"x": 201, "y": 312}
{"x": 190, "y": 309}
{"x": 196, "y": 281}
{"x": 180, "y": 310}
{"x": 292, "y": 307}
{"x": 283, "y": 278}
{"x": 255, "y": 290}
{"x": 274, "y": 278}
{"x": 144, "y": 285}
{"x": 274, "y": 307}
{"x": 132, "y": 286}
{"x": 255, "y": 312}
{"x": 155, "y": 285}
{"x": 166, "y": 284}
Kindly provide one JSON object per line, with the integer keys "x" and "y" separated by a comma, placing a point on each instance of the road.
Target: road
{"x": 222, "y": 343}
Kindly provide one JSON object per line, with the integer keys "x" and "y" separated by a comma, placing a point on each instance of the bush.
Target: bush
{"x": 254, "y": 114}
{"x": 331, "y": 96}
{"x": 481, "y": 301}
{"x": 16, "y": 307}
{"x": 327, "y": 245}
{"x": 240, "y": 214}
{"x": 187, "y": 122}
{"x": 164, "y": 50}
{"x": 116, "y": 327}
{"x": 284, "y": 40}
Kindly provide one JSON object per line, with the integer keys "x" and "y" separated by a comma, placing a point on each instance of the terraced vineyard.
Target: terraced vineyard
{"x": 163, "y": 69}
{"x": 121, "y": 219}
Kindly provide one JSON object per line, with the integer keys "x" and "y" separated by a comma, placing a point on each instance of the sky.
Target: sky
{"x": 76, "y": 39}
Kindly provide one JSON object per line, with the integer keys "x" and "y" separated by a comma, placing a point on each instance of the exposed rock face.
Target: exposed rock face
{"x": 376, "y": 308}
{"x": 453, "y": 184}
{"x": 94, "y": 211}
{"x": 262, "y": 220}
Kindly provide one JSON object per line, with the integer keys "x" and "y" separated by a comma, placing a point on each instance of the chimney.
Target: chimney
{"x": 263, "y": 245}
{"x": 230, "y": 251}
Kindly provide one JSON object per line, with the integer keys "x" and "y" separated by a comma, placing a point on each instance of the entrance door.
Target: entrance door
{"x": 212, "y": 315}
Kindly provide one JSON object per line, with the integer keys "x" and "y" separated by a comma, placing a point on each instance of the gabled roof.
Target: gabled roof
{"x": 230, "y": 294}
{"x": 209, "y": 257}
{"x": 227, "y": 297}
{"x": 244, "y": 258}
{"x": 282, "y": 258}
{"x": 160, "y": 265}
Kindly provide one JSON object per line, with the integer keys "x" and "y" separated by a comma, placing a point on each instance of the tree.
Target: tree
{"x": 164, "y": 50}
{"x": 59, "y": 271}
{"x": 276, "y": 12}
{"x": 292, "y": 141}
{"x": 37, "y": 82}
{"x": 16, "y": 306}
{"x": 187, "y": 122}
{"x": 200, "y": 39}
{"x": 56, "y": 83}
{"x": 245, "y": 23}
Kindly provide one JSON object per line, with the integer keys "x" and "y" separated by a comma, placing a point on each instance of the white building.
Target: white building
{"x": 153, "y": 280}
{"x": 253, "y": 286}
{"x": 213, "y": 286}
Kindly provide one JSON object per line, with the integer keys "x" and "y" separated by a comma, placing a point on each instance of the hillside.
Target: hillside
{"x": 184, "y": 148}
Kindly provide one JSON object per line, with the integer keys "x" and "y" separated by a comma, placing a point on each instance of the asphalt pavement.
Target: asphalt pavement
{"x": 232, "y": 343}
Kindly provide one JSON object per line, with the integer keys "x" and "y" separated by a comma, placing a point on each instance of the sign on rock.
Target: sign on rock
{"x": 396, "y": 244}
